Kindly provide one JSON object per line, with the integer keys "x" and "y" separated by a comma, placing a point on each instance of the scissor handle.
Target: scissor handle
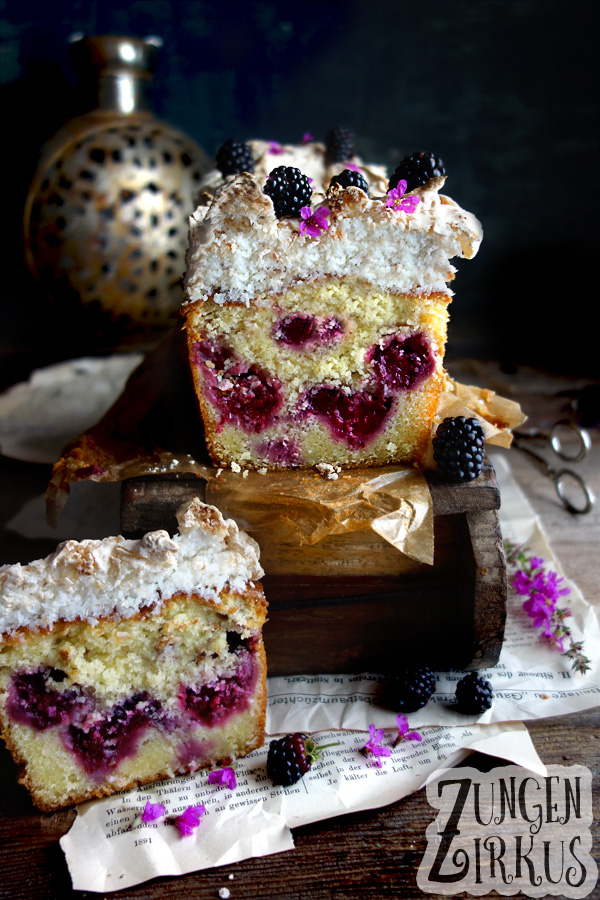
{"x": 584, "y": 442}
{"x": 560, "y": 479}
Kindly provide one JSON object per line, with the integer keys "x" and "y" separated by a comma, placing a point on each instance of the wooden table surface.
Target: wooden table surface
{"x": 374, "y": 854}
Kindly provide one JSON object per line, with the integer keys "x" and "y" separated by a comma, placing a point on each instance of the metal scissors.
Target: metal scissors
{"x": 570, "y": 443}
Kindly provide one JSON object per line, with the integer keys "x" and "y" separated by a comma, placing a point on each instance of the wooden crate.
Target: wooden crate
{"x": 352, "y": 603}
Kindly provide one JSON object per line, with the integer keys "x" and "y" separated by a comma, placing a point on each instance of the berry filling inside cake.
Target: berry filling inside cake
{"x": 355, "y": 419}
{"x": 280, "y": 452}
{"x": 213, "y": 703}
{"x": 100, "y": 737}
{"x": 301, "y": 331}
{"x": 244, "y": 395}
{"x": 402, "y": 362}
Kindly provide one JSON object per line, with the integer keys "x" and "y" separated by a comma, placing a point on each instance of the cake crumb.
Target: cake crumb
{"x": 235, "y": 467}
{"x": 209, "y": 364}
{"x": 245, "y": 473}
{"x": 328, "y": 471}
{"x": 263, "y": 471}
{"x": 225, "y": 893}
{"x": 218, "y": 472}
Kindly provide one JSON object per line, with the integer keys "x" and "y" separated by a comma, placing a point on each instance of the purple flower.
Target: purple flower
{"x": 374, "y": 746}
{"x": 403, "y": 732}
{"x": 189, "y": 820}
{"x": 521, "y": 583}
{"x": 398, "y": 201}
{"x": 552, "y": 587}
{"x": 224, "y": 776}
{"x": 153, "y": 811}
{"x": 307, "y": 137}
{"x": 537, "y": 607}
{"x": 543, "y": 590}
{"x": 313, "y": 222}
{"x": 275, "y": 148}
{"x": 352, "y": 166}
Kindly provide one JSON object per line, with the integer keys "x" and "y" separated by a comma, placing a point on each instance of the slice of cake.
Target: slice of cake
{"x": 316, "y": 323}
{"x": 127, "y": 661}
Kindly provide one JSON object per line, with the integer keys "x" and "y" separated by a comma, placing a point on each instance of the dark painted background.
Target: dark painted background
{"x": 505, "y": 92}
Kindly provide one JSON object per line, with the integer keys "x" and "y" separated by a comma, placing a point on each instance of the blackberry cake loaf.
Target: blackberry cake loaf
{"x": 316, "y": 323}
{"x": 127, "y": 661}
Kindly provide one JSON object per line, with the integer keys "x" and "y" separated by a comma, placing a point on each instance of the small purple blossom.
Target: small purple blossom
{"x": 313, "y": 222}
{"x": 352, "y": 166}
{"x": 307, "y": 137}
{"x": 543, "y": 588}
{"x": 275, "y": 148}
{"x": 189, "y": 820}
{"x": 397, "y": 200}
{"x": 153, "y": 811}
{"x": 224, "y": 776}
{"x": 538, "y": 609}
{"x": 374, "y": 747}
{"x": 403, "y": 732}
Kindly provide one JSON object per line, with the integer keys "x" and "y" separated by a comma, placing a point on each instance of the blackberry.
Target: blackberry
{"x": 409, "y": 689}
{"x": 349, "y": 178}
{"x": 290, "y": 758}
{"x": 458, "y": 448}
{"x": 339, "y": 144}
{"x": 234, "y": 157}
{"x": 473, "y": 694}
{"x": 417, "y": 169}
{"x": 289, "y": 190}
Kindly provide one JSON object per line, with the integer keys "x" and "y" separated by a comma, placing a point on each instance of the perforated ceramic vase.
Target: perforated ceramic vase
{"x": 106, "y": 216}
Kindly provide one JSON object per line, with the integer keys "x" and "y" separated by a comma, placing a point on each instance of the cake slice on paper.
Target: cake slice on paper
{"x": 127, "y": 661}
{"x": 316, "y": 323}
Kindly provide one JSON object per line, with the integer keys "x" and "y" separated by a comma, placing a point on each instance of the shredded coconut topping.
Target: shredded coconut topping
{"x": 240, "y": 252}
{"x": 91, "y": 579}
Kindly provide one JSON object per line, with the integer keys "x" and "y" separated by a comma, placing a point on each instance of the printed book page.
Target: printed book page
{"x": 256, "y": 818}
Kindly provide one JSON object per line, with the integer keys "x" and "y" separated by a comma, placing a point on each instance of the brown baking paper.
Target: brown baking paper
{"x": 154, "y": 428}
{"x": 286, "y": 511}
